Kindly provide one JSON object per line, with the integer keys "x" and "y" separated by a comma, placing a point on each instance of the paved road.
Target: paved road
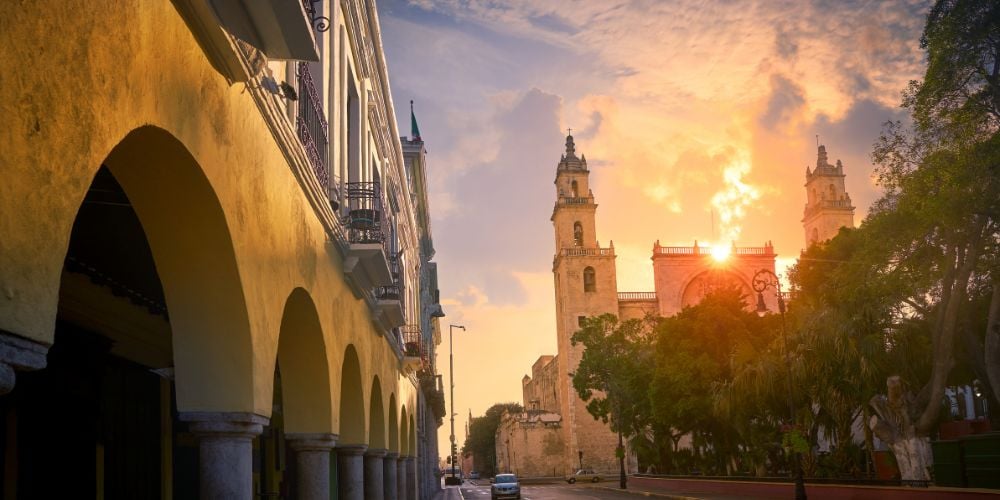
{"x": 481, "y": 491}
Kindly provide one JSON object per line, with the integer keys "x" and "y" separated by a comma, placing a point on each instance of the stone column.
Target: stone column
{"x": 351, "y": 471}
{"x": 401, "y": 478}
{"x": 411, "y": 478}
{"x": 18, "y": 353}
{"x": 374, "y": 482}
{"x": 389, "y": 487}
{"x": 225, "y": 451}
{"x": 312, "y": 464}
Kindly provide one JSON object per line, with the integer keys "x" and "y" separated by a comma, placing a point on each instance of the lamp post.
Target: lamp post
{"x": 763, "y": 280}
{"x": 451, "y": 377}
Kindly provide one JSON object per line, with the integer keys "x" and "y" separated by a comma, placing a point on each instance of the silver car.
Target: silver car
{"x": 505, "y": 486}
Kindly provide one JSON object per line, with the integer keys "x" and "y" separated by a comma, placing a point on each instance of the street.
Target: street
{"x": 480, "y": 490}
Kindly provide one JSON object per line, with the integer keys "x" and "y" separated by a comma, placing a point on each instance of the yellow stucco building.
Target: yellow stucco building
{"x": 215, "y": 272}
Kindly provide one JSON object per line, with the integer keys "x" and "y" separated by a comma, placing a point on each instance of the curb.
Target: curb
{"x": 646, "y": 493}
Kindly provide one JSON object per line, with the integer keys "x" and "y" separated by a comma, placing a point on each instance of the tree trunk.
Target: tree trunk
{"x": 892, "y": 424}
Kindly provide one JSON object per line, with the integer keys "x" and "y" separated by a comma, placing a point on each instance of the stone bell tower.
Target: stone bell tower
{"x": 828, "y": 206}
{"x": 585, "y": 285}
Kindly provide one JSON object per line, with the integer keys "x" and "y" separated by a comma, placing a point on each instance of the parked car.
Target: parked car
{"x": 474, "y": 475}
{"x": 584, "y": 475}
{"x": 505, "y": 486}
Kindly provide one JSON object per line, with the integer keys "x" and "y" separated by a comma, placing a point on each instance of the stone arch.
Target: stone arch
{"x": 376, "y": 419}
{"x": 393, "y": 428}
{"x": 700, "y": 284}
{"x": 191, "y": 245}
{"x": 305, "y": 369}
{"x": 578, "y": 234}
{"x": 574, "y": 189}
{"x": 352, "y": 400}
{"x": 404, "y": 436}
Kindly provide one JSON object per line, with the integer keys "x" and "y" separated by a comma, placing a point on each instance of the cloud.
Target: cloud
{"x": 786, "y": 100}
{"x": 502, "y": 202}
{"x": 673, "y": 103}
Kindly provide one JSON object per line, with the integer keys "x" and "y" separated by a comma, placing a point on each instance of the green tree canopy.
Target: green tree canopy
{"x": 481, "y": 441}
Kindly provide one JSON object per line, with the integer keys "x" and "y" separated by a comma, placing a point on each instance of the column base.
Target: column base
{"x": 20, "y": 354}
{"x": 225, "y": 449}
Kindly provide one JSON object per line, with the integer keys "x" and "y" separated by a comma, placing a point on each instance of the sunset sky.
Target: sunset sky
{"x": 681, "y": 108}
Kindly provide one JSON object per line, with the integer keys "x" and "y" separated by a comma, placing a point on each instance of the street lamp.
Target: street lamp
{"x": 763, "y": 280}
{"x": 451, "y": 377}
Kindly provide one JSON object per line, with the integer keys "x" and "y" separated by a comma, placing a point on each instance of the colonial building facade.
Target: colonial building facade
{"x": 215, "y": 256}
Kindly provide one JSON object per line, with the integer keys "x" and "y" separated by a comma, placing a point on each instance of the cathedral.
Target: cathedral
{"x": 555, "y": 435}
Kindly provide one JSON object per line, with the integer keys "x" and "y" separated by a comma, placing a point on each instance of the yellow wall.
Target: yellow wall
{"x": 231, "y": 230}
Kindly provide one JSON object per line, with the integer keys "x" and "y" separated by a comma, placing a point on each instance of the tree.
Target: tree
{"x": 481, "y": 441}
{"x": 936, "y": 227}
{"x": 613, "y": 374}
{"x": 697, "y": 353}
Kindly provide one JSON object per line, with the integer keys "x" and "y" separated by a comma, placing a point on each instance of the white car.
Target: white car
{"x": 584, "y": 475}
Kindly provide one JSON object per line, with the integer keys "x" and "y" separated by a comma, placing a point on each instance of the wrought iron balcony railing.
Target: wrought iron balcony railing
{"x": 312, "y": 127}
{"x": 390, "y": 292}
{"x": 413, "y": 344}
{"x": 363, "y": 218}
{"x": 395, "y": 290}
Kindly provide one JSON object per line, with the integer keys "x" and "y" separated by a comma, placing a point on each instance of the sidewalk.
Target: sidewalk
{"x": 691, "y": 489}
{"x": 661, "y": 493}
{"x": 449, "y": 493}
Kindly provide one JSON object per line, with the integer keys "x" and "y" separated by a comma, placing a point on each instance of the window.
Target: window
{"x": 353, "y": 122}
{"x": 577, "y": 234}
{"x": 574, "y": 189}
{"x": 580, "y": 320}
{"x": 589, "y": 280}
{"x": 833, "y": 192}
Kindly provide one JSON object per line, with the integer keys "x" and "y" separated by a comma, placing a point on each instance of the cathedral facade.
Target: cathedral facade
{"x": 556, "y": 435}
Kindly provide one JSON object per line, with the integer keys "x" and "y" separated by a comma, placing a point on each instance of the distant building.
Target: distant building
{"x": 556, "y": 434}
{"x": 828, "y": 206}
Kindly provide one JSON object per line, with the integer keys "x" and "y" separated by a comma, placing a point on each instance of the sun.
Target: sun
{"x": 720, "y": 252}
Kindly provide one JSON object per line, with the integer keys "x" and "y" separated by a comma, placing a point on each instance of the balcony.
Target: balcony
{"x": 636, "y": 296}
{"x": 588, "y": 252}
{"x": 313, "y": 131}
{"x": 821, "y": 205}
{"x": 413, "y": 348}
{"x": 389, "y": 299}
{"x": 706, "y": 251}
{"x": 367, "y": 261}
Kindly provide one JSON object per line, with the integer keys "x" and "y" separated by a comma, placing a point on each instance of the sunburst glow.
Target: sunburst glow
{"x": 720, "y": 252}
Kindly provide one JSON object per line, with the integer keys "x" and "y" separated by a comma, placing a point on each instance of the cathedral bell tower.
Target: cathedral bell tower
{"x": 828, "y": 206}
{"x": 585, "y": 285}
